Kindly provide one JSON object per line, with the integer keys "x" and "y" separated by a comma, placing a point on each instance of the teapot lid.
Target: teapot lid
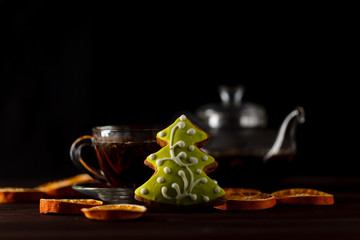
{"x": 232, "y": 112}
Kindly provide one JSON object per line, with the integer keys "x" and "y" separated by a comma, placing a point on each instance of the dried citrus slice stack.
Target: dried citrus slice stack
{"x": 14, "y": 195}
{"x": 247, "y": 199}
{"x": 303, "y": 196}
{"x": 114, "y": 212}
{"x": 66, "y": 206}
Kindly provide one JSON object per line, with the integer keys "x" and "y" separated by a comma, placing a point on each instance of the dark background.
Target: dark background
{"x": 67, "y": 67}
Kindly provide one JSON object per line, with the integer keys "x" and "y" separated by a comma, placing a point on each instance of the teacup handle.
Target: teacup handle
{"x": 78, "y": 161}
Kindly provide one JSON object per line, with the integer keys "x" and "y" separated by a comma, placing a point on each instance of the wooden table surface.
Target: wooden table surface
{"x": 339, "y": 221}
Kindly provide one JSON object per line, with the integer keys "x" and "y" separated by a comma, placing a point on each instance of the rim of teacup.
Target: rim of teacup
{"x": 127, "y": 128}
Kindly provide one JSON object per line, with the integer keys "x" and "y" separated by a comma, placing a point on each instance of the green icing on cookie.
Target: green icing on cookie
{"x": 180, "y": 179}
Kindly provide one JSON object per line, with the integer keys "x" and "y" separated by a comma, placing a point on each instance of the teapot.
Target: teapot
{"x": 249, "y": 153}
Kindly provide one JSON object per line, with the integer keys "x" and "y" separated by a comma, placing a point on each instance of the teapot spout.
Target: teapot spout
{"x": 287, "y": 132}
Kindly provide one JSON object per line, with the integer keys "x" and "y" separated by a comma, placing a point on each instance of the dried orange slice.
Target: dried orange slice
{"x": 66, "y": 206}
{"x": 62, "y": 188}
{"x": 303, "y": 196}
{"x": 247, "y": 199}
{"x": 14, "y": 195}
{"x": 115, "y": 212}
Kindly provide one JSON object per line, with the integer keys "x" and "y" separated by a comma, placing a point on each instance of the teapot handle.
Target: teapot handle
{"x": 298, "y": 115}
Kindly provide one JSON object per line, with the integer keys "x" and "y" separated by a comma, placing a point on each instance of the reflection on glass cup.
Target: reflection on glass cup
{"x": 120, "y": 151}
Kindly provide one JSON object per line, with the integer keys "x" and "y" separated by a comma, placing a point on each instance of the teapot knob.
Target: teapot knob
{"x": 231, "y": 96}
{"x": 232, "y": 113}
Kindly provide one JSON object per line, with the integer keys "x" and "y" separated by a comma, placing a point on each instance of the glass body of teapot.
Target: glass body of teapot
{"x": 248, "y": 152}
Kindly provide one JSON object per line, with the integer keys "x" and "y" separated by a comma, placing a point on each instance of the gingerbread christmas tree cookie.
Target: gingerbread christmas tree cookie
{"x": 181, "y": 169}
